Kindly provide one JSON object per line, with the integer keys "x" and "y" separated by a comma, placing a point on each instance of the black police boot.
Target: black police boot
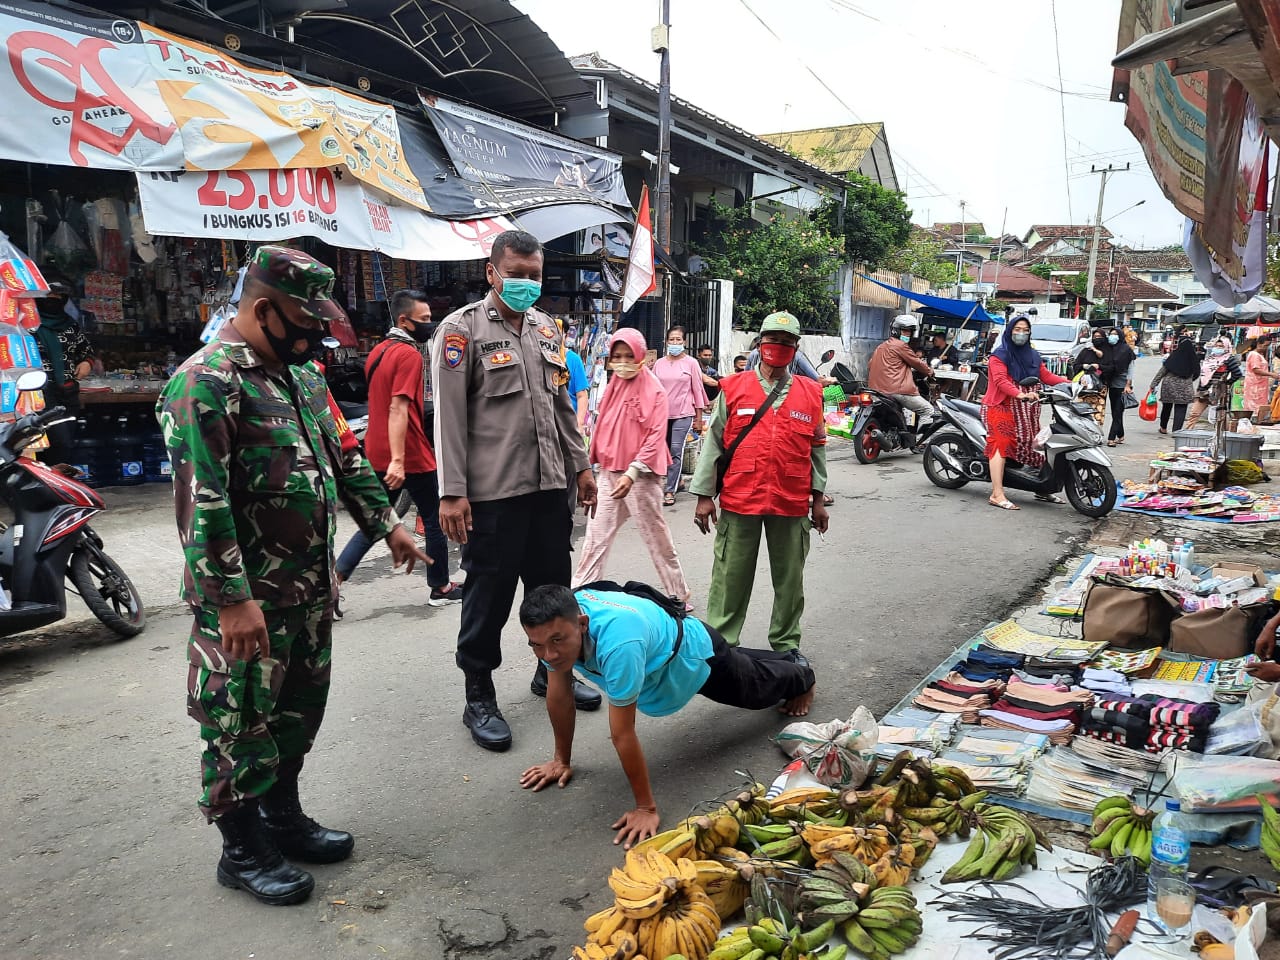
{"x": 296, "y": 835}
{"x": 482, "y": 717}
{"x": 584, "y": 697}
{"x": 252, "y": 862}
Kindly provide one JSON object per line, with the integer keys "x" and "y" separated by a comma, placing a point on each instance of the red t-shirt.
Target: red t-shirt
{"x": 398, "y": 374}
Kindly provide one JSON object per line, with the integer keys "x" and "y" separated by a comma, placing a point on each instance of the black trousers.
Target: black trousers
{"x": 520, "y": 539}
{"x": 1117, "y": 413}
{"x": 752, "y": 679}
{"x": 1179, "y": 411}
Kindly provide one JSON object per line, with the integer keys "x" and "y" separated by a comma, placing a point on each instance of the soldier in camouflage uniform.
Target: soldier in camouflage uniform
{"x": 258, "y": 469}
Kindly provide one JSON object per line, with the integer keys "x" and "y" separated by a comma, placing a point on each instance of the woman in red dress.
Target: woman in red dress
{"x": 1010, "y": 412}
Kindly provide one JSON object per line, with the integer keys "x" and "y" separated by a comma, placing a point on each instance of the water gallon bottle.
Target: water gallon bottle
{"x": 155, "y": 459}
{"x": 129, "y": 444}
{"x": 1170, "y": 854}
{"x": 86, "y": 453}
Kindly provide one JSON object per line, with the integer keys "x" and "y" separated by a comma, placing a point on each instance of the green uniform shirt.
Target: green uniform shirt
{"x": 258, "y": 469}
{"x": 704, "y": 474}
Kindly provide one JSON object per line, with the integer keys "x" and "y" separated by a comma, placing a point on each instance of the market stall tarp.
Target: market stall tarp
{"x": 1259, "y": 309}
{"x": 947, "y": 307}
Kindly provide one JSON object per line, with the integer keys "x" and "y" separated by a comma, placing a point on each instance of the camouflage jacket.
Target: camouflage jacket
{"x": 257, "y": 472}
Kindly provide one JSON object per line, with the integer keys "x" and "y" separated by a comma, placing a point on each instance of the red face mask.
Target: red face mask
{"x": 777, "y": 354}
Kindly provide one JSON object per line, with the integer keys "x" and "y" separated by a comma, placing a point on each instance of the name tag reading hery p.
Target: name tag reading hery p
{"x": 745, "y": 411}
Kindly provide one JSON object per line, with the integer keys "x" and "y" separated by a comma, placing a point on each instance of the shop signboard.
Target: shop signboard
{"x": 326, "y": 202}
{"x": 516, "y": 166}
{"x": 79, "y": 91}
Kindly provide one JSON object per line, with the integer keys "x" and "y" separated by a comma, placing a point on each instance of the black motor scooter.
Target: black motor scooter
{"x": 50, "y": 541}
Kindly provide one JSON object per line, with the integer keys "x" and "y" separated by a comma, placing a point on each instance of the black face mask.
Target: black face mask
{"x": 422, "y": 332}
{"x": 283, "y": 347}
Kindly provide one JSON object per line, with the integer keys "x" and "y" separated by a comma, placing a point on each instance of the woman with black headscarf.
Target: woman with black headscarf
{"x": 1011, "y": 412}
{"x": 1092, "y": 375}
{"x": 1119, "y": 360}
{"x": 1177, "y": 380}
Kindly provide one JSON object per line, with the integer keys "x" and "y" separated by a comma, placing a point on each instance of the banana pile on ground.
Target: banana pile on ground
{"x": 770, "y": 940}
{"x": 1122, "y": 829}
{"x": 1003, "y": 842}
{"x": 878, "y": 920}
{"x": 1270, "y": 832}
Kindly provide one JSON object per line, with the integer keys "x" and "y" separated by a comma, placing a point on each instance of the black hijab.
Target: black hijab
{"x": 1182, "y": 362}
{"x": 1120, "y": 356}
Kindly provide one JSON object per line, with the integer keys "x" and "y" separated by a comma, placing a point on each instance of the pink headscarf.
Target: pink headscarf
{"x": 631, "y": 423}
{"x": 1209, "y": 366}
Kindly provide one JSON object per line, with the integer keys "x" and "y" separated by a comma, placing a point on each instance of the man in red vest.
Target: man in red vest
{"x": 768, "y": 426}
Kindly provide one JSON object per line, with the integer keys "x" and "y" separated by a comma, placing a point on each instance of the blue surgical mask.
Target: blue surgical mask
{"x": 517, "y": 293}
{"x": 675, "y": 349}
{"x": 904, "y": 337}
{"x": 1113, "y": 339}
{"x": 1020, "y": 339}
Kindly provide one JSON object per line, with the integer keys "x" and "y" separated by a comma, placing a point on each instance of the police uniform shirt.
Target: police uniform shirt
{"x": 503, "y": 420}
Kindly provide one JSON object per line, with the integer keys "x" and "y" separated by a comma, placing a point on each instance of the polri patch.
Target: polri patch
{"x": 455, "y": 348}
{"x": 547, "y": 330}
{"x": 500, "y": 359}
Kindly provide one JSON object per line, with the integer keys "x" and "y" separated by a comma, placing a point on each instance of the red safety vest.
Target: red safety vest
{"x": 771, "y": 472}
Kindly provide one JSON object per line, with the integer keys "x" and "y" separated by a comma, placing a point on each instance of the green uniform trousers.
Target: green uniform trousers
{"x": 733, "y": 573}
{"x": 257, "y": 715}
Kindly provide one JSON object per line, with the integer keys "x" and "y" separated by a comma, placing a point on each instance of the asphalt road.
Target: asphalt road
{"x": 104, "y": 854}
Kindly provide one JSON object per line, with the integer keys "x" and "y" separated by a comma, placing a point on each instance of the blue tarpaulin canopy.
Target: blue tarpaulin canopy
{"x": 971, "y": 310}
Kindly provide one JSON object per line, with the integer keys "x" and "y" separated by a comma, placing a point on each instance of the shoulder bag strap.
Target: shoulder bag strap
{"x": 726, "y": 458}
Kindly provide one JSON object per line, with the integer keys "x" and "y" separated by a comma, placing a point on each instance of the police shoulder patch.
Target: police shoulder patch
{"x": 455, "y": 348}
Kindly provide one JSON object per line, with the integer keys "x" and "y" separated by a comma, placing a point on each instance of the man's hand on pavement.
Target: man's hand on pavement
{"x": 587, "y": 492}
{"x": 621, "y": 488}
{"x": 819, "y": 514}
{"x": 636, "y": 825}
{"x": 244, "y": 631}
{"x": 545, "y": 774}
{"x": 704, "y": 515}
{"x": 455, "y": 518}
{"x": 394, "y": 477}
{"x": 403, "y": 549}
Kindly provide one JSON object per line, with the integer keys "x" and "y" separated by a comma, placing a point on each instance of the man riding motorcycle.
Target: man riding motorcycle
{"x": 890, "y": 370}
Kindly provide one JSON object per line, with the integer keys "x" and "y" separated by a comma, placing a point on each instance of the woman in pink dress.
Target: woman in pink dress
{"x": 681, "y": 378}
{"x": 1258, "y": 379}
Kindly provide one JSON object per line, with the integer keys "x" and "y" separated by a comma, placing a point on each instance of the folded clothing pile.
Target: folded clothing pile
{"x": 1119, "y": 719}
{"x": 1106, "y": 682}
{"x": 1057, "y": 670}
{"x": 1046, "y": 708}
{"x": 1059, "y": 732}
{"x": 984, "y": 663}
{"x": 1178, "y": 725}
{"x": 931, "y": 698}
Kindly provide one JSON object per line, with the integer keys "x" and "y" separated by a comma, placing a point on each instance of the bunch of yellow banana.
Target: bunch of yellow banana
{"x": 894, "y": 868}
{"x": 608, "y": 925}
{"x": 1003, "y": 841}
{"x": 594, "y": 951}
{"x": 647, "y": 881}
{"x": 888, "y": 923}
{"x": 1270, "y": 832}
{"x": 813, "y": 804}
{"x": 714, "y": 830}
{"x": 1121, "y": 829}
{"x": 727, "y": 884}
{"x": 687, "y": 925}
{"x": 868, "y": 844}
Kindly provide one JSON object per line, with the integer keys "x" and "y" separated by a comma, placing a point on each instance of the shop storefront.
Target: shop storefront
{"x": 140, "y": 168}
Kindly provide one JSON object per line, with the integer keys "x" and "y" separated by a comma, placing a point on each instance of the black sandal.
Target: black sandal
{"x": 1219, "y": 885}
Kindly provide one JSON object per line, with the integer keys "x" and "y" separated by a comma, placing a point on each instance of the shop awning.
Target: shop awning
{"x": 971, "y": 310}
{"x": 1260, "y": 310}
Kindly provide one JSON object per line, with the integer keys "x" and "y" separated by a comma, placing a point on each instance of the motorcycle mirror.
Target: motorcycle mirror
{"x": 829, "y": 355}
{"x": 32, "y": 380}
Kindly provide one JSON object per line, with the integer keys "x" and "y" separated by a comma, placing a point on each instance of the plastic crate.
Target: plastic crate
{"x": 1241, "y": 446}
{"x": 1199, "y": 439}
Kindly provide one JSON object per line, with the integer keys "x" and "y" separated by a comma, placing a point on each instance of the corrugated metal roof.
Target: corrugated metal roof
{"x": 835, "y": 149}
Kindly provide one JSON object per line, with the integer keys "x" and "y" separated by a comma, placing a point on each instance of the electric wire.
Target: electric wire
{"x": 1062, "y": 106}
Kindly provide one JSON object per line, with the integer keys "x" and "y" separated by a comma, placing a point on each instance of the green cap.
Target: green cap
{"x": 300, "y": 276}
{"x": 783, "y": 322}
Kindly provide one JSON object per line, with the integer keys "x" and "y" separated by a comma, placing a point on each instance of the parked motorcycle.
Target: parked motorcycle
{"x": 50, "y": 540}
{"x": 955, "y": 452}
{"x": 881, "y": 425}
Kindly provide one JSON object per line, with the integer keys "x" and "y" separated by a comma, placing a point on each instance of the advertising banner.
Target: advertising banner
{"x": 234, "y": 117}
{"x": 79, "y": 91}
{"x": 327, "y": 202}
{"x": 522, "y": 166}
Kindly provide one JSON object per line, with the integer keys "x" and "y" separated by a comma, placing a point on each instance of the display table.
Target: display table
{"x": 90, "y": 398}
{"x": 965, "y": 381}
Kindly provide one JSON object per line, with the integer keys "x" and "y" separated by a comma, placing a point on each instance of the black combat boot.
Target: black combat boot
{"x": 584, "y": 698}
{"x": 252, "y": 862}
{"x": 482, "y": 716}
{"x": 297, "y": 835}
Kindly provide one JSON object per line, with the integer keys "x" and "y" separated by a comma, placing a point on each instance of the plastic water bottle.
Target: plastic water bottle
{"x": 1188, "y": 554}
{"x": 1170, "y": 854}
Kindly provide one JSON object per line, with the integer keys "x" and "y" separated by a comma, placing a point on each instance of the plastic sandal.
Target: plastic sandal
{"x": 1005, "y": 504}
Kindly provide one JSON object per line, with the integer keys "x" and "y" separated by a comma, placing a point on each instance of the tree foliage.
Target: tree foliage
{"x": 876, "y": 221}
{"x": 779, "y": 265}
{"x": 922, "y": 257}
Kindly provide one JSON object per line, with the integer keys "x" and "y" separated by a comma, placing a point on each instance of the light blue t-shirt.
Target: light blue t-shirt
{"x": 577, "y": 377}
{"x": 627, "y": 653}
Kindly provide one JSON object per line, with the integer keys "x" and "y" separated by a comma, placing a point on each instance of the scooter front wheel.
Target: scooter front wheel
{"x": 107, "y": 590}
{"x": 1091, "y": 488}
{"x": 866, "y": 446}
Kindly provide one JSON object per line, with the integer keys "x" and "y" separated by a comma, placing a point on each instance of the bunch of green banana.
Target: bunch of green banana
{"x": 944, "y": 817}
{"x": 770, "y": 940}
{"x": 1121, "y": 829}
{"x": 1270, "y": 831}
{"x": 1003, "y": 841}
{"x": 834, "y": 891}
{"x": 775, "y": 841}
{"x": 887, "y": 924}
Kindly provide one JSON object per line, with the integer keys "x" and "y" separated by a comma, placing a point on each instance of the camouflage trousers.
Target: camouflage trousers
{"x": 257, "y": 716}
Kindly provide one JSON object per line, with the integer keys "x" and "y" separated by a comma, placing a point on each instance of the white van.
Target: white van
{"x": 1058, "y": 338}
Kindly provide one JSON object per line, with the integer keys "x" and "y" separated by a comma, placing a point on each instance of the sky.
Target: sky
{"x": 968, "y": 93}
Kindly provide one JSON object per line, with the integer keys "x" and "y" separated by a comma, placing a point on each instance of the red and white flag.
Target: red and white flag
{"x": 641, "y": 279}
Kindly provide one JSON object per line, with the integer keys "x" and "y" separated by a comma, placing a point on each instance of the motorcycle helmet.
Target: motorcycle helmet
{"x": 904, "y": 322}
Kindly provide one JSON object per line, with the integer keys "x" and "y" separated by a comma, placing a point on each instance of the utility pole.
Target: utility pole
{"x": 662, "y": 46}
{"x": 1097, "y": 232}
{"x": 960, "y": 255}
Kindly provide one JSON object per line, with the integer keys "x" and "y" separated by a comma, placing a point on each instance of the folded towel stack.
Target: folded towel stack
{"x": 931, "y": 698}
{"x": 1106, "y": 682}
{"x": 1059, "y": 731}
